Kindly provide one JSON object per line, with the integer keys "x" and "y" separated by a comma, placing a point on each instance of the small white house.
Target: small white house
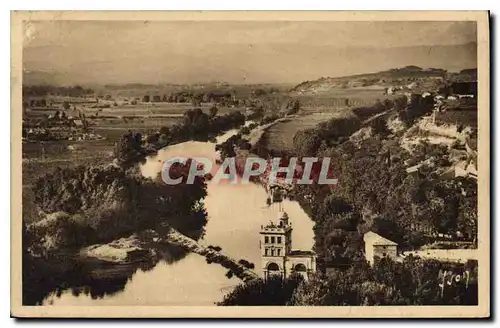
{"x": 378, "y": 246}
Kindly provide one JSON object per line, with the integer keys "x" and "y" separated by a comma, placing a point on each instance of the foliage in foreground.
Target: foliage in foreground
{"x": 104, "y": 203}
{"x": 413, "y": 282}
{"x": 273, "y": 291}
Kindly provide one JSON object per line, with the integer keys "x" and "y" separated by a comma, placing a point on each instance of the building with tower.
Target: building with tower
{"x": 277, "y": 255}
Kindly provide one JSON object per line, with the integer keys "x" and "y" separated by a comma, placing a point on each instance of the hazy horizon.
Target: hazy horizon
{"x": 239, "y": 52}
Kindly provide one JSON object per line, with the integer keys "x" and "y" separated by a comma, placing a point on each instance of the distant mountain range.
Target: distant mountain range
{"x": 287, "y": 63}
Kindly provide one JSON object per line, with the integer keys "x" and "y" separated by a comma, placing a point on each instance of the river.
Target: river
{"x": 235, "y": 215}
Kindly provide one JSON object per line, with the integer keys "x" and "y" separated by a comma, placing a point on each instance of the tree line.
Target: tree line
{"x": 45, "y": 90}
{"x": 195, "y": 125}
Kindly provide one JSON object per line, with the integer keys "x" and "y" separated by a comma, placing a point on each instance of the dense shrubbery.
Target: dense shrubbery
{"x": 413, "y": 282}
{"x": 307, "y": 142}
{"x": 227, "y": 148}
{"x": 378, "y": 107}
{"x": 100, "y": 204}
{"x": 374, "y": 192}
{"x": 418, "y": 107}
{"x": 330, "y": 133}
{"x": 129, "y": 149}
{"x": 293, "y": 107}
{"x": 269, "y": 119}
{"x": 273, "y": 291}
{"x": 198, "y": 126}
{"x": 43, "y": 90}
{"x": 460, "y": 117}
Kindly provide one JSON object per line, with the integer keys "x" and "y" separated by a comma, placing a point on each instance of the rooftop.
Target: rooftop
{"x": 300, "y": 252}
{"x": 283, "y": 223}
{"x": 376, "y": 239}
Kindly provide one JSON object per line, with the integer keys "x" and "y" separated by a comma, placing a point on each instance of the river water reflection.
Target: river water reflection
{"x": 235, "y": 214}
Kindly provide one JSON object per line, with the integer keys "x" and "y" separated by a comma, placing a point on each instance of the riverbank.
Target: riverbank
{"x": 137, "y": 249}
{"x": 167, "y": 269}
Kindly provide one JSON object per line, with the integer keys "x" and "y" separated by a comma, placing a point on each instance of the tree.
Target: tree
{"x": 213, "y": 111}
{"x": 272, "y": 291}
{"x": 259, "y": 111}
{"x": 196, "y": 101}
{"x": 245, "y": 130}
{"x": 309, "y": 293}
{"x": 152, "y": 138}
{"x": 293, "y": 107}
{"x": 379, "y": 126}
{"x": 306, "y": 142}
{"x": 66, "y": 105}
{"x": 128, "y": 147}
{"x": 467, "y": 217}
{"x": 400, "y": 103}
{"x": 164, "y": 130}
{"x": 146, "y": 98}
{"x": 164, "y": 139}
{"x": 196, "y": 123}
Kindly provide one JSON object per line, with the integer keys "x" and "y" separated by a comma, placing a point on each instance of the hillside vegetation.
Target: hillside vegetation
{"x": 428, "y": 77}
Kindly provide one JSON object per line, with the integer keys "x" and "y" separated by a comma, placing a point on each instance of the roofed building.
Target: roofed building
{"x": 277, "y": 255}
{"x": 378, "y": 246}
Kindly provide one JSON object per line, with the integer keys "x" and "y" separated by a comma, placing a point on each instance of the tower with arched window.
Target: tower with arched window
{"x": 277, "y": 255}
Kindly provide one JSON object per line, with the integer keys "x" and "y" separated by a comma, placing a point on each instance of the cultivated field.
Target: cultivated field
{"x": 280, "y": 135}
{"x": 335, "y": 103}
{"x": 121, "y": 109}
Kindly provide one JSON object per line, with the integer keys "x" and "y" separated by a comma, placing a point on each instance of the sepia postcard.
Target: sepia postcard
{"x": 250, "y": 164}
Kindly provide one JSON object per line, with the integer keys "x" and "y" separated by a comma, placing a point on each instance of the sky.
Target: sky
{"x": 240, "y": 51}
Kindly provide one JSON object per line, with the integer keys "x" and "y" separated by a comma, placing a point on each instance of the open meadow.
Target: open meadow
{"x": 280, "y": 135}
{"x": 336, "y": 103}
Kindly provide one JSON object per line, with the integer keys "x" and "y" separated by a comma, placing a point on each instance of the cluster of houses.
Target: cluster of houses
{"x": 58, "y": 126}
{"x": 462, "y": 168}
{"x": 455, "y": 132}
{"x": 58, "y": 133}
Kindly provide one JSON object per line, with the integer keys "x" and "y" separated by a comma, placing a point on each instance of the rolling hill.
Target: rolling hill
{"x": 381, "y": 80}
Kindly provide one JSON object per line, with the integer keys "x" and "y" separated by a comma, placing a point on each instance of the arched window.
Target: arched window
{"x": 300, "y": 268}
{"x": 273, "y": 267}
